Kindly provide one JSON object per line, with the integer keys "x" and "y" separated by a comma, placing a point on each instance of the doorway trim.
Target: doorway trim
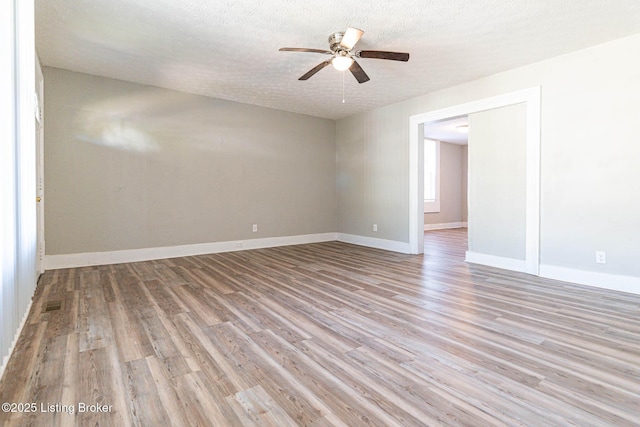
{"x": 531, "y": 98}
{"x": 39, "y": 124}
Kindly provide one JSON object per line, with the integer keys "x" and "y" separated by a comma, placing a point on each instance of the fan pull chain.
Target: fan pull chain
{"x": 343, "y": 101}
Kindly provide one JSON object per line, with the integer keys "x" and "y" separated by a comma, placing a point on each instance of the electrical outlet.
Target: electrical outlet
{"x": 601, "y": 257}
{"x": 375, "y": 227}
{"x": 255, "y": 228}
{"x": 239, "y": 245}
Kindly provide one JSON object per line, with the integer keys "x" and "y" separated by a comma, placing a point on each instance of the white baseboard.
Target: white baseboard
{"x": 373, "y": 242}
{"x": 496, "y": 261}
{"x": 54, "y": 262}
{"x": 445, "y": 225}
{"x": 614, "y": 282}
{"x": 5, "y": 359}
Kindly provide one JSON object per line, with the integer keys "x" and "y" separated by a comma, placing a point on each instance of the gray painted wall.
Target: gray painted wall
{"x": 129, "y": 166}
{"x": 589, "y": 151}
{"x": 497, "y": 182}
{"x": 374, "y": 147}
{"x": 371, "y": 173}
{"x": 452, "y": 190}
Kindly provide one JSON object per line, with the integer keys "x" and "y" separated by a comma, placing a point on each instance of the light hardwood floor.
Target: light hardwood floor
{"x": 326, "y": 334}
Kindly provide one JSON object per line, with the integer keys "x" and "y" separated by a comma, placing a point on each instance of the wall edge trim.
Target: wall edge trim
{"x": 615, "y": 282}
{"x": 512, "y": 264}
{"x": 374, "y": 242}
{"x": 5, "y": 359}
{"x": 54, "y": 262}
{"x": 445, "y": 225}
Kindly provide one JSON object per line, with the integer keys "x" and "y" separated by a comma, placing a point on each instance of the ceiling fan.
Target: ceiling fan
{"x": 341, "y": 46}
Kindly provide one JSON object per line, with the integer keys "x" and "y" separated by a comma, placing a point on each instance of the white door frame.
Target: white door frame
{"x": 531, "y": 98}
{"x": 40, "y": 267}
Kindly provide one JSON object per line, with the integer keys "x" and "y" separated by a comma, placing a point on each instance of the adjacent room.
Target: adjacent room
{"x": 340, "y": 214}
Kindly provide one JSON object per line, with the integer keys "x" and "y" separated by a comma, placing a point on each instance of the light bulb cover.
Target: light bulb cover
{"x": 342, "y": 63}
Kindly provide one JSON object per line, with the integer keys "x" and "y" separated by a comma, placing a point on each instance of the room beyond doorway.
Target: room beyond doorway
{"x": 446, "y": 173}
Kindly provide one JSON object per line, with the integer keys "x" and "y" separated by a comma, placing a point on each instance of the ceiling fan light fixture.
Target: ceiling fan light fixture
{"x": 342, "y": 63}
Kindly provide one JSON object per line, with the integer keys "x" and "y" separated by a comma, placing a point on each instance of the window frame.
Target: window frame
{"x": 433, "y": 206}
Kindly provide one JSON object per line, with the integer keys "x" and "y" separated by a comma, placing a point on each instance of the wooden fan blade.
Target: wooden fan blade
{"x": 315, "y": 69}
{"x": 381, "y": 54}
{"x": 358, "y": 72}
{"x": 303, "y": 49}
{"x": 351, "y": 37}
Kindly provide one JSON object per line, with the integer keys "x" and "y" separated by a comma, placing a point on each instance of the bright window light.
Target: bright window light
{"x": 431, "y": 176}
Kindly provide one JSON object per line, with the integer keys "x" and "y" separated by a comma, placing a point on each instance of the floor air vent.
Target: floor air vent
{"x": 52, "y": 306}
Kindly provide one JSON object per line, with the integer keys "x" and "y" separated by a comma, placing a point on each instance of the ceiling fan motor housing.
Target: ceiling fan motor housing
{"x": 334, "y": 41}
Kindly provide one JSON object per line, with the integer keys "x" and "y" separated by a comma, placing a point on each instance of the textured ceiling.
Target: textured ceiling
{"x": 448, "y": 131}
{"x": 229, "y": 48}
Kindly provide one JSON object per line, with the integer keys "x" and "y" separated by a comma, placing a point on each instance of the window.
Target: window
{"x": 431, "y": 176}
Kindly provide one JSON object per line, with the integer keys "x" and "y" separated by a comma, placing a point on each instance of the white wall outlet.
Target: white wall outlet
{"x": 601, "y": 257}
{"x": 239, "y": 245}
{"x": 255, "y": 228}
{"x": 375, "y": 227}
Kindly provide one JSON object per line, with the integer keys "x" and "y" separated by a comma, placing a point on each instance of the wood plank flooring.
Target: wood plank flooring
{"x": 326, "y": 334}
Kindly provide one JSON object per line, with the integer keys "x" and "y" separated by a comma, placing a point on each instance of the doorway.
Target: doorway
{"x": 445, "y": 186}
{"x": 445, "y": 173}
{"x": 531, "y": 99}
